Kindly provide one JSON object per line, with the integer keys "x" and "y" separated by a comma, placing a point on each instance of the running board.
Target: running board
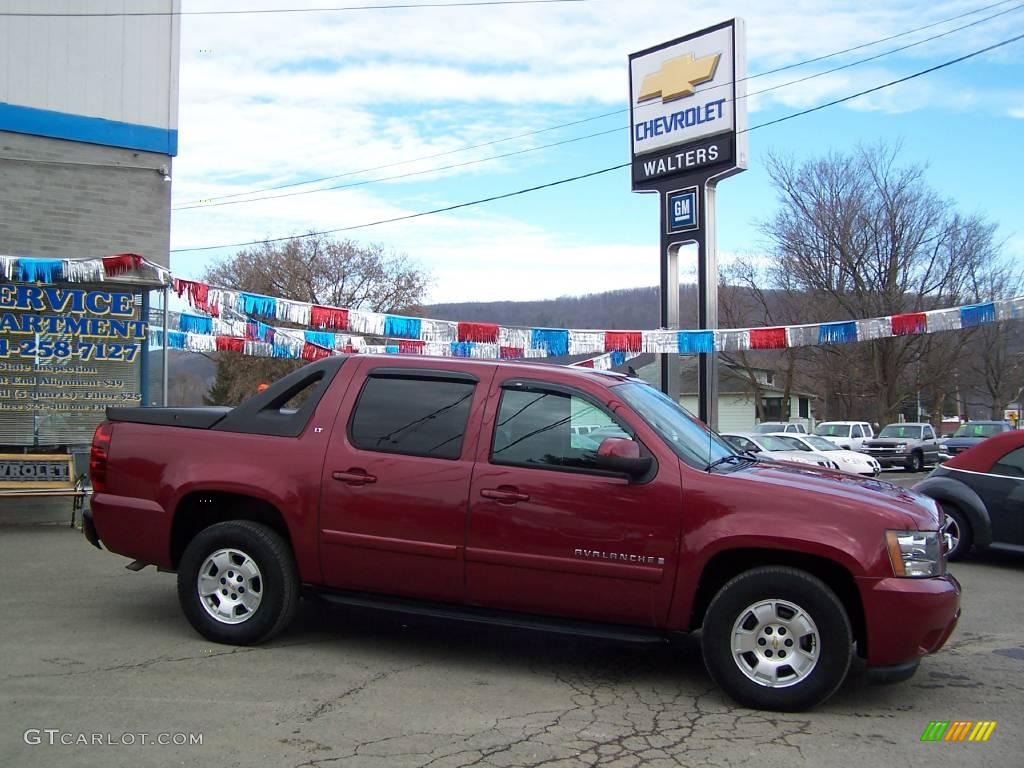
{"x": 616, "y": 632}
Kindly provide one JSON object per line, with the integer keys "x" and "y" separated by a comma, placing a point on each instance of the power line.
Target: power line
{"x": 365, "y": 182}
{"x": 255, "y": 11}
{"x": 591, "y": 174}
{"x": 596, "y": 117}
{"x": 405, "y": 175}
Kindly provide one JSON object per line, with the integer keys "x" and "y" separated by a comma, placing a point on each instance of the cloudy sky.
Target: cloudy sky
{"x": 268, "y": 100}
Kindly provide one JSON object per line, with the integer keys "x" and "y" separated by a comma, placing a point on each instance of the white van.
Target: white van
{"x": 846, "y": 434}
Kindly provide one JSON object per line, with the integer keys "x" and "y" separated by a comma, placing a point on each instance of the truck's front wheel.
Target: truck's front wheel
{"x": 237, "y": 583}
{"x": 777, "y": 638}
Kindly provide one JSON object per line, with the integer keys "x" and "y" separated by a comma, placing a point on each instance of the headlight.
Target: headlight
{"x": 914, "y": 554}
{"x": 943, "y": 447}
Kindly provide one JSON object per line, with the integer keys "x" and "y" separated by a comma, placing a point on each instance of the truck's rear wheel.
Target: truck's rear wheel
{"x": 237, "y": 583}
{"x": 777, "y": 638}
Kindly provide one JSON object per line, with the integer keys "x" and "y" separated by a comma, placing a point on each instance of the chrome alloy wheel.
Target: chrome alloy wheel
{"x": 230, "y": 586}
{"x": 951, "y": 532}
{"x": 775, "y": 643}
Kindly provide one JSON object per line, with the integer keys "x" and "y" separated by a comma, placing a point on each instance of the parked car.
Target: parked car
{"x": 848, "y": 461}
{"x": 766, "y": 427}
{"x": 911, "y": 445}
{"x": 846, "y": 434}
{"x": 774, "y": 447}
{"x": 970, "y": 434}
{"x": 456, "y": 487}
{"x": 981, "y": 492}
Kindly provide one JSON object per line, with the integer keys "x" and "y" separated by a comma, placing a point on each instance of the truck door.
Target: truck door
{"x": 396, "y": 480}
{"x": 548, "y": 531}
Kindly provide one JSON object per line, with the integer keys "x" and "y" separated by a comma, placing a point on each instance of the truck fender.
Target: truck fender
{"x": 951, "y": 491}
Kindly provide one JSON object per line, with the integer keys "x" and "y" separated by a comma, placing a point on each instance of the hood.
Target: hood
{"x": 798, "y": 456}
{"x": 961, "y": 442}
{"x": 888, "y": 442}
{"x": 898, "y": 508}
{"x": 854, "y": 456}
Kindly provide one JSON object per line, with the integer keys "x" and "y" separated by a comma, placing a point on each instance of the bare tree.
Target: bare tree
{"x": 317, "y": 270}
{"x": 863, "y": 236}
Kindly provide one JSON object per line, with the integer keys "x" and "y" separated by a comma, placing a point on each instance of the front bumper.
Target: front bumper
{"x": 908, "y": 618}
{"x": 886, "y": 460}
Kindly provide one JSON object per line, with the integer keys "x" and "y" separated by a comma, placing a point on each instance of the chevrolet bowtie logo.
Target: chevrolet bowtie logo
{"x": 677, "y": 77}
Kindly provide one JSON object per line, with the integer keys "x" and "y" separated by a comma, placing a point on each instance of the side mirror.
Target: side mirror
{"x": 617, "y": 454}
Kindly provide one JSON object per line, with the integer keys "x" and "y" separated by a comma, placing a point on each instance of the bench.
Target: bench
{"x": 36, "y": 475}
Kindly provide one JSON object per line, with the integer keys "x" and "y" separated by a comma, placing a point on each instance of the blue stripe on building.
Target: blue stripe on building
{"x": 91, "y": 130}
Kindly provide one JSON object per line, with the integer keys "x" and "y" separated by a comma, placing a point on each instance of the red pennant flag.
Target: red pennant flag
{"x": 623, "y": 341}
{"x": 768, "y": 338}
{"x": 913, "y": 322}
{"x": 485, "y": 333}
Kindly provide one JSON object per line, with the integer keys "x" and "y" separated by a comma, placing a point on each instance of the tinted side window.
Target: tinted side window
{"x": 419, "y": 417}
{"x": 929, "y": 433}
{"x": 857, "y": 432}
{"x": 1012, "y": 464}
{"x": 538, "y": 428}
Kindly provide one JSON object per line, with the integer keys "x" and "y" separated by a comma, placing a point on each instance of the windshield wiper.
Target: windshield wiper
{"x": 725, "y": 460}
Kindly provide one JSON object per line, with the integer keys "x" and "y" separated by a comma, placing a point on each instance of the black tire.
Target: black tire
{"x": 958, "y": 525}
{"x": 833, "y": 641}
{"x": 275, "y": 582}
{"x": 916, "y": 463}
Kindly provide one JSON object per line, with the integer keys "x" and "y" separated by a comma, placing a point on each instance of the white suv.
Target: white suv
{"x": 850, "y": 435}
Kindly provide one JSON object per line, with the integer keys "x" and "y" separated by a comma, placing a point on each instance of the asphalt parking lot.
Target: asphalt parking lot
{"x": 91, "y": 648}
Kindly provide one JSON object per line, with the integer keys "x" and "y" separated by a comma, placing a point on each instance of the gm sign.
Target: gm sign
{"x": 681, "y": 210}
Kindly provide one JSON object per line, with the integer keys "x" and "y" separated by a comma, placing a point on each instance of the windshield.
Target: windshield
{"x": 771, "y": 426}
{"x": 832, "y": 430}
{"x": 792, "y": 443}
{"x": 820, "y": 443}
{"x": 978, "y": 430}
{"x": 901, "y": 430}
{"x": 691, "y": 441}
{"x": 774, "y": 443}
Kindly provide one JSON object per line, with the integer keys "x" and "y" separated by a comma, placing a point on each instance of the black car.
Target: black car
{"x": 982, "y": 493}
{"x": 970, "y": 434}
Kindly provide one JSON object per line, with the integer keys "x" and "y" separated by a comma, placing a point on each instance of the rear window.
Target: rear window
{"x": 832, "y": 430}
{"x": 413, "y": 416}
{"x": 978, "y": 430}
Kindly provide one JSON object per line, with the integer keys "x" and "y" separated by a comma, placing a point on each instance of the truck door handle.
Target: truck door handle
{"x": 354, "y": 477}
{"x": 504, "y": 495}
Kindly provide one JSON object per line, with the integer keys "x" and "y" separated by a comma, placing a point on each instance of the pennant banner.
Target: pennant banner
{"x": 236, "y": 321}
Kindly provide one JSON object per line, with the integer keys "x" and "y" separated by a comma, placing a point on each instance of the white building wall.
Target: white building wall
{"x": 735, "y": 412}
{"x": 117, "y": 68}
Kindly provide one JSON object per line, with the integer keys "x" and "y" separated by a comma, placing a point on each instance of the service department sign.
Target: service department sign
{"x": 688, "y": 104}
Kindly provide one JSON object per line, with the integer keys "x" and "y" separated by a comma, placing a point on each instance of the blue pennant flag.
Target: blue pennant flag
{"x": 320, "y": 338}
{"x": 977, "y": 314}
{"x": 555, "y": 341}
{"x": 837, "y": 333}
{"x": 40, "y": 270}
{"x": 696, "y": 342}
{"x": 262, "y": 306}
{"x": 195, "y": 323}
{"x": 401, "y": 327}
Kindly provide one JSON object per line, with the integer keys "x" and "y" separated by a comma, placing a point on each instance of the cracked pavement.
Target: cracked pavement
{"x": 89, "y": 647}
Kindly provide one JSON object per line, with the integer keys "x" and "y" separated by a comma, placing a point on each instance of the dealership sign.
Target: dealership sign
{"x": 688, "y": 130}
{"x": 688, "y": 105}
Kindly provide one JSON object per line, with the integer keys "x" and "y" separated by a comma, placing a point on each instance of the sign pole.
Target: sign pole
{"x": 707, "y": 310}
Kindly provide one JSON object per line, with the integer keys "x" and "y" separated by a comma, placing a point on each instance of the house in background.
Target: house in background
{"x": 737, "y": 411}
